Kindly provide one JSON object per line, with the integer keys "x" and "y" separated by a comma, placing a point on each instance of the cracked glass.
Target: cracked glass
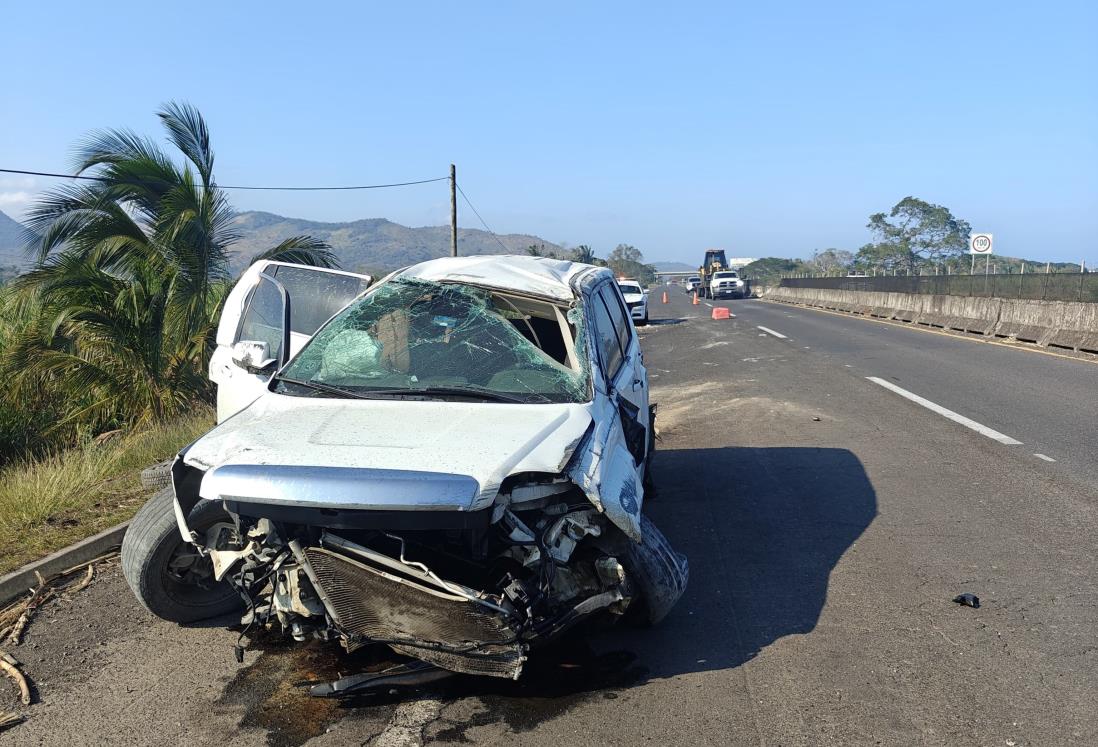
{"x": 412, "y": 336}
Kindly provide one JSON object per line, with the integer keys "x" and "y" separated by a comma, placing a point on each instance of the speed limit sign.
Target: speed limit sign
{"x": 979, "y": 243}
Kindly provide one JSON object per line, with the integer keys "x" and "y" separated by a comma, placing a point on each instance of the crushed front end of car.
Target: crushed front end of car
{"x": 465, "y": 591}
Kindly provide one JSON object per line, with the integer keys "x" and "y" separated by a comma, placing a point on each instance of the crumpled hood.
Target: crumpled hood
{"x": 484, "y": 441}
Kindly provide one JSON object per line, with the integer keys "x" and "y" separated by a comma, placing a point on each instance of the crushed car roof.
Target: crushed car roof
{"x": 540, "y": 276}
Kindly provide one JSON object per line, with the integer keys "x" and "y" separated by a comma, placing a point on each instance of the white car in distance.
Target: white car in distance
{"x": 636, "y": 298}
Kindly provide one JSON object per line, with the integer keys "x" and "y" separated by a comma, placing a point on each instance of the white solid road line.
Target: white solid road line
{"x": 1045, "y": 457}
{"x": 961, "y": 419}
{"x": 769, "y": 331}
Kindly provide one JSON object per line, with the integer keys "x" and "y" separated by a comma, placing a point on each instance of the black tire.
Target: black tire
{"x": 644, "y": 320}
{"x": 158, "y": 475}
{"x": 153, "y": 552}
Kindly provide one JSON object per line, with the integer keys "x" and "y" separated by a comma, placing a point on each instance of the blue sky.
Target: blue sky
{"x": 763, "y": 128}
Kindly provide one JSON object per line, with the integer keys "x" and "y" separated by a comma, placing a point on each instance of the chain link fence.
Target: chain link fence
{"x": 1036, "y": 286}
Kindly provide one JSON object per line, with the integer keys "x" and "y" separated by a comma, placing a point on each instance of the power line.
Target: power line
{"x": 486, "y": 228}
{"x": 226, "y": 186}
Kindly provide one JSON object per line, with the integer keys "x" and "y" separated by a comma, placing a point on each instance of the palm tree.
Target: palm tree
{"x": 131, "y": 272}
{"x": 585, "y": 254}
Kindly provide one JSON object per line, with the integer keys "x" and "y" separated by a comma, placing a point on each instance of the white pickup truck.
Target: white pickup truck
{"x": 726, "y": 283}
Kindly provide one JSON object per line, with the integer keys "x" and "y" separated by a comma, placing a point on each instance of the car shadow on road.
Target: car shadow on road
{"x": 762, "y": 528}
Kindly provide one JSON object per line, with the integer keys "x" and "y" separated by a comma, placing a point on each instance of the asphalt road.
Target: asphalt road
{"x": 1048, "y": 402}
{"x": 829, "y": 523}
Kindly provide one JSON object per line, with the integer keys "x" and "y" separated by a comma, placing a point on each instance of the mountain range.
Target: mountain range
{"x": 375, "y": 244}
{"x": 371, "y": 245}
{"x": 11, "y": 243}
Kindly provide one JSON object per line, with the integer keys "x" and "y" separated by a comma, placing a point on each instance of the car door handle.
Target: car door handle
{"x": 638, "y": 384}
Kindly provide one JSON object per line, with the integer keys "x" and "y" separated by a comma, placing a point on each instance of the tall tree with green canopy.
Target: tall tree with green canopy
{"x": 913, "y": 233}
{"x": 627, "y": 261}
{"x": 132, "y": 269}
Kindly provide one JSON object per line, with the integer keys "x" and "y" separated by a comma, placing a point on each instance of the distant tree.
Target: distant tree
{"x": 627, "y": 261}
{"x": 880, "y": 258}
{"x": 769, "y": 270}
{"x": 625, "y": 253}
{"x": 539, "y": 250}
{"x": 832, "y": 260}
{"x": 915, "y": 233}
{"x": 584, "y": 254}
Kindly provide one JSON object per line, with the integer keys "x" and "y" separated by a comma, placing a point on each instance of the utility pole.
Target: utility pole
{"x": 453, "y": 211}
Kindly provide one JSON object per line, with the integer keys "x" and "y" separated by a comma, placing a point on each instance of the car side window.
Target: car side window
{"x": 606, "y": 336}
{"x": 315, "y": 295}
{"x": 262, "y": 320}
{"x": 619, "y": 316}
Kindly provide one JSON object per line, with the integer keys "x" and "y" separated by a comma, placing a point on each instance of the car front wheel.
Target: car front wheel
{"x": 168, "y": 575}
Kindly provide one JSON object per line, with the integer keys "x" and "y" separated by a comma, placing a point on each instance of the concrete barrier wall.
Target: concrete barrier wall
{"x": 1066, "y": 324}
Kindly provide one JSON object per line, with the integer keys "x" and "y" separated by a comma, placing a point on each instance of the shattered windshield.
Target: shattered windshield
{"x": 413, "y": 336}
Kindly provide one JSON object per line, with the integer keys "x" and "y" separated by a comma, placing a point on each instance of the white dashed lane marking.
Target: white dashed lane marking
{"x": 983, "y": 430}
{"x": 1045, "y": 457}
{"x": 769, "y": 331}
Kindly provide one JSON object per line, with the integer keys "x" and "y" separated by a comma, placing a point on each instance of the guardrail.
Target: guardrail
{"x": 1067, "y": 324}
{"x": 1059, "y": 286}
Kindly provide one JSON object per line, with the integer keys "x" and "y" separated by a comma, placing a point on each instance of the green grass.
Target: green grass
{"x": 48, "y": 503}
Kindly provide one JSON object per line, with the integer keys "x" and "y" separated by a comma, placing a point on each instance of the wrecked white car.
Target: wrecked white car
{"x": 453, "y": 465}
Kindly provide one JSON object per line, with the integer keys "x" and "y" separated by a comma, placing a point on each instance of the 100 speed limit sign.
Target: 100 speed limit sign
{"x": 979, "y": 243}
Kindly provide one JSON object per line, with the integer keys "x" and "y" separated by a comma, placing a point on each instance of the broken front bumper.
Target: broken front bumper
{"x": 374, "y": 598}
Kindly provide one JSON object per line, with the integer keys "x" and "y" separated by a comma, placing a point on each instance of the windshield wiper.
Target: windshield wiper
{"x": 471, "y": 392}
{"x": 454, "y": 391}
{"x": 395, "y": 392}
{"x": 316, "y": 386}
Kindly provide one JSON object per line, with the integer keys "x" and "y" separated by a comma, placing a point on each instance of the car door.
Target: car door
{"x": 631, "y": 384}
{"x": 612, "y": 468}
{"x": 250, "y": 333}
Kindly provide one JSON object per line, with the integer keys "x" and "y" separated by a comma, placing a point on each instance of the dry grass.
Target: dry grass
{"x": 48, "y": 503}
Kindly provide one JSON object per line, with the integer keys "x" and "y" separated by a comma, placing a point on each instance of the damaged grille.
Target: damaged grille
{"x": 458, "y": 635}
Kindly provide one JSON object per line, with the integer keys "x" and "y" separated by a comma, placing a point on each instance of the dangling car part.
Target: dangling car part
{"x": 451, "y": 466}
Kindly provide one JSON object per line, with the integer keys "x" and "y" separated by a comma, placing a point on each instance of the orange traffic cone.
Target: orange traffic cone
{"x": 665, "y": 296}
{"x": 695, "y": 298}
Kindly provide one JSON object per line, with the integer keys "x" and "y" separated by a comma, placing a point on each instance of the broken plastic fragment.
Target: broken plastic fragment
{"x": 968, "y": 600}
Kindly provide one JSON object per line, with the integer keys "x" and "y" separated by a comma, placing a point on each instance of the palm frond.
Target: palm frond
{"x": 301, "y": 250}
{"x": 187, "y": 131}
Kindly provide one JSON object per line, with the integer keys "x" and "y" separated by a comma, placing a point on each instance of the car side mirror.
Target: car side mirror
{"x": 254, "y": 356}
